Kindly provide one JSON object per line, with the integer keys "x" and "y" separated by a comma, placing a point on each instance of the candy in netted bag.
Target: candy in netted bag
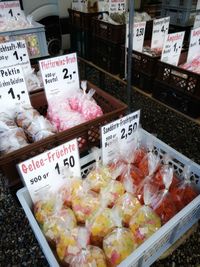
{"x": 85, "y": 202}
{"x": 184, "y": 192}
{"x": 100, "y": 175}
{"x": 56, "y": 224}
{"x": 118, "y": 244}
{"x": 162, "y": 202}
{"x": 87, "y": 255}
{"x": 127, "y": 204}
{"x": 100, "y": 223}
{"x": 163, "y": 170}
{"x": 145, "y": 221}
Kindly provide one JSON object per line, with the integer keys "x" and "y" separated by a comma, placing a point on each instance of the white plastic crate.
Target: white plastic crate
{"x": 186, "y": 4}
{"x": 179, "y": 16}
{"x": 160, "y": 241}
{"x": 36, "y": 33}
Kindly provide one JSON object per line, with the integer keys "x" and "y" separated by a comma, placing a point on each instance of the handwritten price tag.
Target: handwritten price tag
{"x": 14, "y": 53}
{"x": 194, "y": 47}
{"x": 13, "y": 91}
{"x": 60, "y": 75}
{"x": 11, "y": 9}
{"x": 118, "y": 132}
{"x": 197, "y": 22}
{"x": 138, "y": 35}
{"x": 117, "y": 6}
{"x": 48, "y": 170}
{"x": 160, "y": 30}
{"x": 172, "y": 48}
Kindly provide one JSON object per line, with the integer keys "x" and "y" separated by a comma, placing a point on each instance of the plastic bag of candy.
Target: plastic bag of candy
{"x": 145, "y": 221}
{"x": 118, "y": 244}
{"x": 184, "y": 192}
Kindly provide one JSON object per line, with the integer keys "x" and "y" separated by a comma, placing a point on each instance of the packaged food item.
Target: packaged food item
{"x": 145, "y": 221}
{"x": 7, "y": 122}
{"x": 12, "y": 140}
{"x": 100, "y": 223}
{"x": 54, "y": 225}
{"x": 25, "y": 115}
{"x": 139, "y": 151}
{"x": 118, "y": 244}
{"x": 162, "y": 203}
{"x": 149, "y": 164}
{"x": 184, "y": 192}
{"x": 85, "y": 203}
{"x": 100, "y": 175}
{"x": 87, "y": 255}
{"x": 32, "y": 81}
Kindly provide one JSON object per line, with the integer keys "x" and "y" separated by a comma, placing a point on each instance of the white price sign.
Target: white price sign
{"x": 159, "y": 32}
{"x": 14, "y": 53}
{"x": 194, "y": 47}
{"x": 11, "y": 9}
{"x": 172, "y": 48}
{"x": 60, "y": 75}
{"x": 48, "y": 170}
{"x": 75, "y": 4}
{"x": 197, "y": 22}
{"x": 138, "y": 35}
{"x": 198, "y": 5}
{"x": 13, "y": 91}
{"x": 117, "y": 6}
{"x": 118, "y": 132}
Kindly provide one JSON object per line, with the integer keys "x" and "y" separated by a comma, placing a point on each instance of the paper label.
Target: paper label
{"x": 172, "y": 48}
{"x": 159, "y": 32}
{"x": 197, "y": 22}
{"x": 117, "y": 6}
{"x": 48, "y": 170}
{"x": 11, "y": 9}
{"x": 138, "y": 35}
{"x": 198, "y": 5}
{"x": 80, "y": 5}
{"x": 118, "y": 133}
{"x": 60, "y": 75}
{"x": 13, "y": 91}
{"x": 14, "y": 53}
{"x": 194, "y": 47}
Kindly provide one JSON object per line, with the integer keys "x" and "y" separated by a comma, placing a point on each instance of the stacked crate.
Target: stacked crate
{"x": 81, "y": 37}
{"x": 181, "y": 12}
{"x": 107, "y": 41}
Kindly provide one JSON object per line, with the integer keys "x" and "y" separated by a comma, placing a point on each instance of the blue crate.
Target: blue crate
{"x": 161, "y": 240}
{"x": 179, "y": 17}
{"x": 185, "y": 4}
{"x": 37, "y": 32}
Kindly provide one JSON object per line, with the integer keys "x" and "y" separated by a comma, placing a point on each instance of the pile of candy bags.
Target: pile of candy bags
{"x": 102, "y": 219}
{"x": 193, "y": 66}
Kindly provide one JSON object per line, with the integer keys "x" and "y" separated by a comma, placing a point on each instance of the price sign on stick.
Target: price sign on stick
{"x": 194, "y": 47}
{"x": 117, "y": 6}
{"x": 160, "y": 30}
{"x": 13, "y": 91}
{"x": 60, "y": 75}
{"x": 14, "y": 53}
{"x": 118, "y": 132}
{"x": 11, "y": 9}
{"x": 138, "y": 35}
{"x": 172, "y": 48}
{"x": 49, "y": 169}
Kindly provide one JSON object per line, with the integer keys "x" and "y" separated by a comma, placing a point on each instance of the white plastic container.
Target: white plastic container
{"x": 159, "y": 242}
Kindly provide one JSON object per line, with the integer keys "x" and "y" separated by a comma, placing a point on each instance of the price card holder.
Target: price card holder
{"x": 60, "y": 75}
{"x": 159, "y": 32}
{"x": 11, "y": 9}
{"x": 47, "y": 171}
{"x": 120, "y": 132}
{"x": 13, "y": 91}
{"x": 194, "y": 47}
{"x": 14, "y": 53}
{"x": 172, "y": 48}
{"x": 117, "y": 6}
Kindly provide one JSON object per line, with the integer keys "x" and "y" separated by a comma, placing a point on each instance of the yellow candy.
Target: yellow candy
{"x": 144, "y": 223}
{"x": 43, "y": 209}
{"x": 99, "y": 178}
{"x": 112, "y": 192}
{"x": 118, "y": 245}
{"x": 127, "y": 205}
